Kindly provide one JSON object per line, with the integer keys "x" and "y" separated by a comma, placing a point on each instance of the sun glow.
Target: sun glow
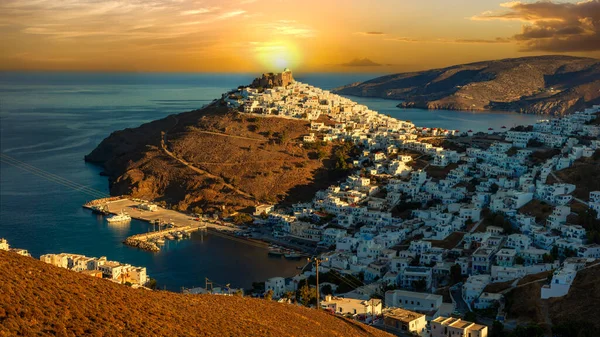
{"x": 276, "y": 56}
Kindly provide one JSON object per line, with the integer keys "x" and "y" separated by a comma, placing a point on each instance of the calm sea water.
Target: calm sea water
{"x": 51, "y": 120}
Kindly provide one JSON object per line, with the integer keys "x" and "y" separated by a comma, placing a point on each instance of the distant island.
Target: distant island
{"x": 554, "y": 85}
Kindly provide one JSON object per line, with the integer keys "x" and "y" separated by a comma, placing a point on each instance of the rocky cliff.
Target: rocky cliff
{"x": 553, "y": 85}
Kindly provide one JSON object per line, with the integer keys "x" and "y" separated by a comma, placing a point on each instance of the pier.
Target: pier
{"x": 149, "y": 241}
{"x": 176, "y": 223}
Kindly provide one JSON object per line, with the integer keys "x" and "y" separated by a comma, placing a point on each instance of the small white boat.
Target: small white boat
{"x": 275, "y": 252}
{"x": 160, "y": 241}
{"x": 293, "y": 256}
{"x": 119, "y": 218}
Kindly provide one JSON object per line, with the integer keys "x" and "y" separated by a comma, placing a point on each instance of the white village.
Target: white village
{"x": 444, "y": 233}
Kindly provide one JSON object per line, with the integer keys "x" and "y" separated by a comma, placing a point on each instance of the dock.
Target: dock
{"x": 176, "y": 222}
{"x": 147, "y": 241}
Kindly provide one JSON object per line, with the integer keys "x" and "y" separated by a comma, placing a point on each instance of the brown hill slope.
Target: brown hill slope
{"x": 40, "y": 299}
{"x": 581, "y": 303}
{"x": 539, "y": 84}
{"x": 215, "y": 157}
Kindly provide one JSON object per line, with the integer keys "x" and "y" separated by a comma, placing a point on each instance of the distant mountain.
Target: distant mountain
{"x": 551, "y": 84}
{"x": 39, "y": 299}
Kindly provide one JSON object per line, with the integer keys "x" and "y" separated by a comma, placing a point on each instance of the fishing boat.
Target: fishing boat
{"x": 169, "y": 237}
{"x": 160, "y": 241}
{"x": 178, "y": 235}
{"x": 275, "y": 252}
{"x": 100, "y": 209}
{"x": 293, "y": 255}
{"x": 119, "y": 218}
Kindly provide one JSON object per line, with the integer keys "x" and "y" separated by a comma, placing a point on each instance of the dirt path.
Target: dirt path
{"x": 163, "y": 145}
{"x": 230, "y": 136}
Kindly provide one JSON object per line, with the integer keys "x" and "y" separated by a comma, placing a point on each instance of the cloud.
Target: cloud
{"x": 370, "y": 33}
{"x": 403, "y": 39}
{"x": 197, "y": 11}
{"x": 552, "y": 26}
{"x": 365, "y": 62}
{"x": 289, "y": 28}
{"x": 482, "y": 41}
{"x": 465, "y": 41}
{"x": 231, "y": 14}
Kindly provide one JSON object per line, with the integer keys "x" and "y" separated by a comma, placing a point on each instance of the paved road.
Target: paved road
{"x": 461, "y": 306}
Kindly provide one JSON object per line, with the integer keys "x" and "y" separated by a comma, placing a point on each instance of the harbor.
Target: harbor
{"x": 164, "y": 224}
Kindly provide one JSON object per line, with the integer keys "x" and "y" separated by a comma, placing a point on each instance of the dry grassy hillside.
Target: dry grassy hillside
{"x": 581, "y": 303}
{"x": 40, "y": 299}
{"x": 234, "y": 160}
{"x": 539, "y": 84}
{"x": 585, "y": 174}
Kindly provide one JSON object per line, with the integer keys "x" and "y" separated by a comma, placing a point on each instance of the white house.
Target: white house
{"x": 277, "y": 284}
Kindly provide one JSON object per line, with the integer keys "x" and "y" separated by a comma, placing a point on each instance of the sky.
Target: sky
{"x": 269, "y": 35}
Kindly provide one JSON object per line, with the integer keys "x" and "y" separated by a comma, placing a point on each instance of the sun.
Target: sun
{"x": 275, "y": 56}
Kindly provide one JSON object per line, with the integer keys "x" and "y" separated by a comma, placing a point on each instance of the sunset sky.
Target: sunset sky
{"x": 268, "y": 35}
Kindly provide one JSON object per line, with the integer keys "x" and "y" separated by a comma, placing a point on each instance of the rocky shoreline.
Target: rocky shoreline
{"x": 552, "y": 85}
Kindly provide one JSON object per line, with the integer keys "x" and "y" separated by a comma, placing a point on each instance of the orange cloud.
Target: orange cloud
{"x": 553, "y": 27}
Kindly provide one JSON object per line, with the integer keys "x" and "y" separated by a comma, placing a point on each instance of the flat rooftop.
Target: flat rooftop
{"x": 403, "y": 315}
{"x": 425, "y": 296}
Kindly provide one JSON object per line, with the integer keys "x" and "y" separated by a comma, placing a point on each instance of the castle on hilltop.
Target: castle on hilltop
{"x": 270, "y": 80}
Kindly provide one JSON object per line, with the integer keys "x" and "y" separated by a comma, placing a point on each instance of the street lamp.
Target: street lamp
{"x": 317, "y": 261}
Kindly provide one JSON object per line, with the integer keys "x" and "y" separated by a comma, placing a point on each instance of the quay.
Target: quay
{"x": 176, "y": 222}
{"x": 148, "y": 241}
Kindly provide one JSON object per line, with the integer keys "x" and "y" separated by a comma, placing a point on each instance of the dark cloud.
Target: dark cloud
{"x": 365, "y": 62}
{"x": 496, "y": 40}
{"x": 553, "y": 26}
{"x": 374, "y": 33}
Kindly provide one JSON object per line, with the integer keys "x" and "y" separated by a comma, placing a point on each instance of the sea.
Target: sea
{"x": 50, "y": 120}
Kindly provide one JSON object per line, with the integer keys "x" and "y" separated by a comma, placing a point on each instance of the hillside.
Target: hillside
{"x": 578, "y": 306}
{"x": 576, "y": 310}
{"x": 40, "y": 299}
{"x": 541, "y": 85}
{"x": 214, "y": 158}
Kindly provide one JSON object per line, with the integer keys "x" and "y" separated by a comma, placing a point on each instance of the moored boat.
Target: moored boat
{"x": 275, "y": 252}
{"x": 119, "y": 218}
{"x": 293, "y": 256}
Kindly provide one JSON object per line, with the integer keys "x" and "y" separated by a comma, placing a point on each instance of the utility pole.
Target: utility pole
{"x": 207, "y": 283}
{"x": 317, "y": 261}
